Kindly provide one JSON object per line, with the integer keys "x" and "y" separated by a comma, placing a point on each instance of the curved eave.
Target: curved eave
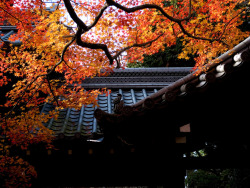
{"x": 194, "y": 78}
{"x": 222, "y": 67}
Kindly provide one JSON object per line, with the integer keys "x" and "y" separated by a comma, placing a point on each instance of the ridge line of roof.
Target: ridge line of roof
{"x": 155, "y": 69}
{"x": 7, "y": 27}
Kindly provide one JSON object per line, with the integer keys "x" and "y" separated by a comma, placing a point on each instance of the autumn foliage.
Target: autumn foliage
{"x": 58, "y": 51}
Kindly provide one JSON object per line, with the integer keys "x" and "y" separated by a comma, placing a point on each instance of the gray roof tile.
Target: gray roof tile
{"x": 72, "y": 121}
{"x": 133, "y": 84}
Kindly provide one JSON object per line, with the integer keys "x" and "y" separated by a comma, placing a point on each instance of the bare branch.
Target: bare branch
{"x": 146, "y": 44}
{"x": 192, "y": 36}
{"x": 118, "y": 64}
{"x": 82, "y": 28}
{"x": 39, "y": 86}
{"x": 78, "y": 21}
{"x": 74, "y": 16}
{"x": 62, "y": 55}
{"x": 201, "y": 38}
{"x": 98, "y": 16}
{"x": 80, "y": 4}
{"x": 149, "y": 43}
{"x": 51, "y": 91}
{"x": 224, "y": 30}
{"x": 11, "y": 15}
{"x": 93, "y": 46}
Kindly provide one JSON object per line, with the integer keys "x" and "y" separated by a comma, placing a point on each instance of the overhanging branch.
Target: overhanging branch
{"x": 149, "y": 43}
{"x": 82, "y": 27}
{"x": 149, "y": 6}
{"x": 92, "y": 45}
{"x": 74, "y": 16}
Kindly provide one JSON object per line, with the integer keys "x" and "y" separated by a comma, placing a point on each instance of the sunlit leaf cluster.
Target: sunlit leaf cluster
{"x": 75, "y": 39}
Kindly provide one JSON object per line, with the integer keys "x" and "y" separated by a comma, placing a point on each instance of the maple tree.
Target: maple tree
{"x": 101, "y": 34}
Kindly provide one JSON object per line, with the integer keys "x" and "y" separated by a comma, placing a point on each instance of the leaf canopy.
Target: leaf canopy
{"x": 72, "y": 40}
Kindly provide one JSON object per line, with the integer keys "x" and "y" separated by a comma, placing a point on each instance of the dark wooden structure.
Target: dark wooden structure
{"x": 85, "y": 155}
{"x": 148, "y": 143}
{"x": 212, "y": 104}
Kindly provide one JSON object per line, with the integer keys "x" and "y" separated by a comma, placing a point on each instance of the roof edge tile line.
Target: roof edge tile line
{"x": 66, "y": 121}
{"x": 155, "y": 69}
{"x": 123, "y": 86}
{"x": 7, "y": 27}
{"x": 80, "y": 119}
{"x": 244, "y": 44}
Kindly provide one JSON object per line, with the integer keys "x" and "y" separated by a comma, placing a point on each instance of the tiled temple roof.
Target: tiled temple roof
{"x": 222, "y": 67}
{"x": 134, "y": 84}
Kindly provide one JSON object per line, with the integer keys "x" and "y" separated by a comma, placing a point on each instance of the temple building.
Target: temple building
{"x": 144, "y": 131}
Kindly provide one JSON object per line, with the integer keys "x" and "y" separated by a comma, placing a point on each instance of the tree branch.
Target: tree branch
{"x": 42, "y": 75}
{"x": 50, "y": 88}
{"x": 74, "y": 16}
{"x": 192, "y": 36}
{"x": 224, "y": 30}
{"x": 149, "y": 43}
{"x": 11, "y": 15}
{"x": 92, "y": 45}
{"x": 200, "y": 38}
{"x": 78, "y": 21}
{"x": 82, "y": 28}
{"x": 178, "y": 21}
{"x": 62, "y": 55}
{"x": 149, "y": 6}
{"x": 98, "y": 16}
{"x": 136, "y": 45}
{"x": 39, "y": 86}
